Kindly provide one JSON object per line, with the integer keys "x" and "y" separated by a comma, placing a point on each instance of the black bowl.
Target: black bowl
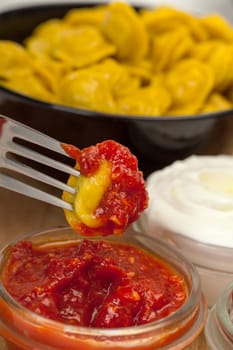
{"x": 156, "y": 141}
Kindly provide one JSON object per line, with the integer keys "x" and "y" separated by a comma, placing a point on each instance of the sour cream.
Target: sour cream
{"x": 194, "y": 198}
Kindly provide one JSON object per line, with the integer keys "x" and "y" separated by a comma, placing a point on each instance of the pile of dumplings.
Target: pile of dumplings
{"x": 114, "y": 59}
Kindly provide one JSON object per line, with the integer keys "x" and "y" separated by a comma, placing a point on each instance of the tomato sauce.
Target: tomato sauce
{"x": 91, "y": 283}
{"x": 125, "y": 197}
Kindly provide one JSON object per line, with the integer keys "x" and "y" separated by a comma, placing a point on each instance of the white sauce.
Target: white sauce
{"x": 194, "y": 197}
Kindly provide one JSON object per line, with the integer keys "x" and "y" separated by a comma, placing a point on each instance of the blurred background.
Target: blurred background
{"x": 224, "y": 6}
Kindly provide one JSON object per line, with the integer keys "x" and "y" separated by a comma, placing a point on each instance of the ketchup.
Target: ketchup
{"x": 92, "y": 283}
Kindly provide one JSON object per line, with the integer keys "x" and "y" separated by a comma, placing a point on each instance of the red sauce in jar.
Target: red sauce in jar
{"x": 93, "y": 283}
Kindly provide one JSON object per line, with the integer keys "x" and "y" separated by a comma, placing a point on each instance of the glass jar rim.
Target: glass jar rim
{"x": 223, "y": 306}
{"x": 194, "y": 301}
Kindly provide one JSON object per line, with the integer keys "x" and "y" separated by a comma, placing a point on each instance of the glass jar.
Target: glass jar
{"x": 219, "y": 326}
{"x": 22, "y": 329}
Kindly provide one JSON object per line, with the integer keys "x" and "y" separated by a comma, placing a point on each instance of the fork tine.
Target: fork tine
{"x": 34, "y": 174}
{"x": 40, "y": 158}
{"x": 26, "y": 133}
{"x": 9, "y": 131}
{"x": 20, "y": 187}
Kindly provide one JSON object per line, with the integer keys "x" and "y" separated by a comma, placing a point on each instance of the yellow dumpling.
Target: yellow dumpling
{"x": 158, "y": 79}
{"x": 89, "y": 192}
{"x": 215, "y": 103}
{"x": 82, "y": 46}
{"x": 38, "y": 46}
{"x": 14, "y": 59}
{"x": 217, "y": 27}
{"x": 141, "y": 69}
{"x": 164, "y": 18}
{"x": 50, "y": 71}
{"x": 148, "y": 101}
{"x": 44, "y": 36}
{"x": 123, "y": 27}
{"x": 120, "y": 81}
{"x": 89, "y": 16}
{"x": 87, "y": 89}
{"x": 31, "y": 86}
{"x": 189, "y": 82}
{"x": 49, "y": 29}
{"x": 221, "y": 61}
{"x": 203, "y": 50}
{"x": 170, "y": 47}
{"x": 77, "y": 46}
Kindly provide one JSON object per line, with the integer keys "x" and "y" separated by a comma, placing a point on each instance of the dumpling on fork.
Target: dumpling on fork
{"x": 110, "y": 192}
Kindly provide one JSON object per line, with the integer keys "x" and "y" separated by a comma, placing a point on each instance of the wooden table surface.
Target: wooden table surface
{"x": 19, "y": 214}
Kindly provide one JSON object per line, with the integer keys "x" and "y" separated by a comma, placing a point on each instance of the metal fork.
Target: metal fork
{"x": 12, "y": 131}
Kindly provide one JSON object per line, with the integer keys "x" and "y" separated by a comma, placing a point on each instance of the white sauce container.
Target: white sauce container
{"x": 191, "y": 207}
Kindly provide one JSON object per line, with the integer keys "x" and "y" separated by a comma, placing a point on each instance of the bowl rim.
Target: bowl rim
{"x": 124, "y": 117}
{"x": 13, "y": 10}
